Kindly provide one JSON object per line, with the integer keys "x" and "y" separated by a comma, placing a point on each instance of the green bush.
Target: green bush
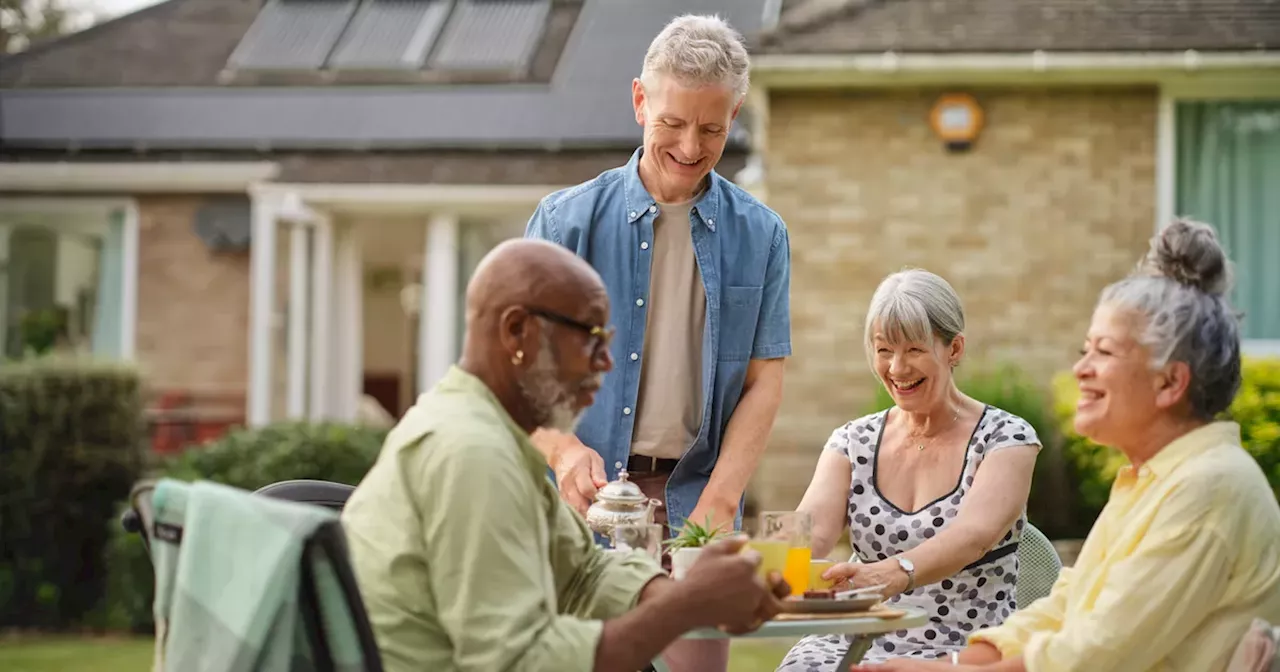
{"x": 247, "y": 459}
{"x": 1008, "y": 388}
{"x": 71, "y": 442}
{"x": 1256, "y": 408}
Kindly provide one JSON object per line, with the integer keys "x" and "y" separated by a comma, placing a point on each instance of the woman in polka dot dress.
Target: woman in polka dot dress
{"x": 933, "y": 490}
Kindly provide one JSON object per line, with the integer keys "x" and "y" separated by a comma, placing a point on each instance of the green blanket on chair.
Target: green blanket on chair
{"x": 228, "y": 578}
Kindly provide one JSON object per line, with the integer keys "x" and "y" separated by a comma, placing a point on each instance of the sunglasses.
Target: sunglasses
{"x": 601, "y": 336}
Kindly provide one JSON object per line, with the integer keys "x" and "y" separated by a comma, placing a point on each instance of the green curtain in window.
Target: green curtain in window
{"x": 110, "y": 298}
{"x": 1228, "y": 174}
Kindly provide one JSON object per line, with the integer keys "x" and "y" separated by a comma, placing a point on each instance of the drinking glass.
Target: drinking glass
{"x": 816, "y": 570}
{"x": 784, "y": 546}
{"x": 641, "y": 537}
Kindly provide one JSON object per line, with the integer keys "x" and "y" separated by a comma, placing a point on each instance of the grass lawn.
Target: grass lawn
{"x": 75, "y": 654}
{"x": 121, "y": 654}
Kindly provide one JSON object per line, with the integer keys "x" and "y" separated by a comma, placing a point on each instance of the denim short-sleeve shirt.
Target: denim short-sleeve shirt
{"x": 743, "y": 255}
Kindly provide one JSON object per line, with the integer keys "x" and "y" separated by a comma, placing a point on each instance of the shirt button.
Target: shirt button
{"x": 634, "y": 356}
{"x": 626, "y": 411}
{"x": 644, "y": 245}
{"x": 632, "y": 214}
{"x": 617, "y": 465}
{"x": 639, "y": 302}
{"x": 712, "y": 222}
{"x": 653, "y": 209}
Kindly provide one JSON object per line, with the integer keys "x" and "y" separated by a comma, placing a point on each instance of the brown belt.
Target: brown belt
{"x": 643, "y": 464}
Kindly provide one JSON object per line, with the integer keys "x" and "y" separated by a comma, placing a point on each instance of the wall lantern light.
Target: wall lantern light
{"x": 956, "y": 118}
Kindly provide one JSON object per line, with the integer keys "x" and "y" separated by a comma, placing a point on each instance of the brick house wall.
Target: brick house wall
{"x": 1055, "y": 200}
{"x": 193, "y": 303}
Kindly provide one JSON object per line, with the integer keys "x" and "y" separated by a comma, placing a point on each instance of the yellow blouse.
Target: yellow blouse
{"x": 1184, "y": 555}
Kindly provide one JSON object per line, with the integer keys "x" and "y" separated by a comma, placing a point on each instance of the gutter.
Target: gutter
{"x": 134, "y": 177}
{"x": 1189, "y": 60}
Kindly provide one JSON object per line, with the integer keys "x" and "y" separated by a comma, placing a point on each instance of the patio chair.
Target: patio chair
{"x": 320, "y": 493}
{"x": 299, "y": 607}
{"x": 1038, "y": 566}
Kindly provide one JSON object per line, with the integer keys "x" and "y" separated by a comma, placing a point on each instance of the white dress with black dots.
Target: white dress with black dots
{"x": 979, "y": 596}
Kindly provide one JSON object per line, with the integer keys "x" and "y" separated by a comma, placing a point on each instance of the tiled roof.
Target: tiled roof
{"x": 940, "y": 26}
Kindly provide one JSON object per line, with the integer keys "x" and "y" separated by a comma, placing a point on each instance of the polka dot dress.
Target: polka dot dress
{"x": 979, "y": 596}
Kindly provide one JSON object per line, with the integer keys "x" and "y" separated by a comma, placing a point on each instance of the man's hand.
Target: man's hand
{"x": 778, "y": 590}
{"x": 579, "y": 470}
{"x": 723, "y": 588}
{"x": 723, "y": 511}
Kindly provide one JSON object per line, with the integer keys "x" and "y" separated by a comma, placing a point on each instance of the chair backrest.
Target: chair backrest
{"x": 1038, "y": 566}
{"x": 334, "y": 633}
{"x": 320, "y": 493}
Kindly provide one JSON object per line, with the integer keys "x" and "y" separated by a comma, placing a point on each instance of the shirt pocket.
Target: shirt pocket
{"x": 739, "y": 311}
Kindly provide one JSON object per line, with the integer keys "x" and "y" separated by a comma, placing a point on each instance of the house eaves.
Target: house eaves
{"x": 890, "y": 69}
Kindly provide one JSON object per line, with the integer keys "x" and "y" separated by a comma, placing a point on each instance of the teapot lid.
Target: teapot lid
{"x": 622, "y": 491}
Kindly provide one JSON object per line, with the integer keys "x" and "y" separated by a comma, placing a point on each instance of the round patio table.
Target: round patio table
{"x": 861, "y": 630}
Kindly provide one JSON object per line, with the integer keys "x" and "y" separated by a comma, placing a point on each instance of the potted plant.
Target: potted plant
{"x": 687, "y": 546}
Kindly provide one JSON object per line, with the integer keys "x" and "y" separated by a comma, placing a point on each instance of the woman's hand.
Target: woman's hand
{"x": 857, "y": 575}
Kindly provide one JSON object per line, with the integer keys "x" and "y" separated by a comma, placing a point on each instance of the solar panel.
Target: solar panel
{"x": 492, "y": 35}
{"x": 391, "y": 34}
{"x": 292, "y": 34}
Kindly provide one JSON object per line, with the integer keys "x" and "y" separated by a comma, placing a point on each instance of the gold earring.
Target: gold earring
{"x": 519, "y": 358}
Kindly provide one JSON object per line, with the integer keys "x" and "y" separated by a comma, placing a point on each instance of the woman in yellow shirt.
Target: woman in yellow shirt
{"x": 1187, "y": 551}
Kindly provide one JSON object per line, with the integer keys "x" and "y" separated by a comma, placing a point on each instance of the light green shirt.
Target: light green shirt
{"x": 466, "y": 557}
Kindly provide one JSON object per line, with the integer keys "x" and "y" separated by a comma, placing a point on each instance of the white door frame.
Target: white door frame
{"x": 325, "y": 351}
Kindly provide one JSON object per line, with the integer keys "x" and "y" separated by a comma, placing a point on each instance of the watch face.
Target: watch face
{"x": 906, "y": 564}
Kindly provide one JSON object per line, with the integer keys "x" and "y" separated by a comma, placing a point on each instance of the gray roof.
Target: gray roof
{"x": 940, "y": 26}
{"x": 159, "y": 79}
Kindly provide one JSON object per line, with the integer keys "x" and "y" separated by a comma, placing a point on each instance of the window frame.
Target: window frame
{"x": 1245, "y": 87}
{"x": 127, "y": 209}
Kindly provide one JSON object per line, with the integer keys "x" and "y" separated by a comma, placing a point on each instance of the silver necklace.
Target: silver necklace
{"x": 922, "y": 441}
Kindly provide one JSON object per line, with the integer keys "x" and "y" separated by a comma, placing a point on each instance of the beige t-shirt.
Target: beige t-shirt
{"x": 669, "y": 407}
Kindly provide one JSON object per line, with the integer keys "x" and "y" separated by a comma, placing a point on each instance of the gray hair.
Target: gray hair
{"x": 698, "y": 51}
{"x": 1180, "y": 289}
{"x": 913, "y": 306}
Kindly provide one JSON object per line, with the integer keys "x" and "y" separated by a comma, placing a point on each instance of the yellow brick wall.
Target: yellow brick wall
{"x": 1055, "y": 200}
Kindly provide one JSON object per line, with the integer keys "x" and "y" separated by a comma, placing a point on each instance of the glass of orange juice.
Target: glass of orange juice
{"x": 789, "y": 530}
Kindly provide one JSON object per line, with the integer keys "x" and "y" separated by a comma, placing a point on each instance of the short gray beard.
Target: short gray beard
{"x": 550, "y": 400}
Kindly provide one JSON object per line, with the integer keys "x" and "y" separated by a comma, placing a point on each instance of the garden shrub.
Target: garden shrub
{"x": 247, "y": 459}
{"x": 71, "y": 446}
{"x": 1256, "y": 408}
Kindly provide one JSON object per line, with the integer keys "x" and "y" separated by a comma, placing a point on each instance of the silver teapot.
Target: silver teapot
{"x": 620, "y": 503}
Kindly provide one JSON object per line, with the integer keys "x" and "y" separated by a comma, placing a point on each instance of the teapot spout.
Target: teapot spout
{"x": 652, "y": 505}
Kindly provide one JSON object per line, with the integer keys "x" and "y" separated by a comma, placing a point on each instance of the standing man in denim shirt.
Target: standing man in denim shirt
{"x": 699, "y": 273}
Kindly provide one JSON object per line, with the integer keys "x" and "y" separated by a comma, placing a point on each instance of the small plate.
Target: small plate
{"x": 797, "y": 605}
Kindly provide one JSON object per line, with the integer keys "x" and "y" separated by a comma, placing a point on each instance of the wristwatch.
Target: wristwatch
{"x": 910, "y": 568}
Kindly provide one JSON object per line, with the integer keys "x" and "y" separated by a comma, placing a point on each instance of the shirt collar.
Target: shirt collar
{"x": 457, "y": 380}
{"x": 639, "y": 202}
{"x": 1190, "y": 445}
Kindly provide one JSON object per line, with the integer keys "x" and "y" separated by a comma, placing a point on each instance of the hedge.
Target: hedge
{"x": 71, "y": 445}
{"x": 248, "y": 459}
{"x": 1256, "y": 408}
